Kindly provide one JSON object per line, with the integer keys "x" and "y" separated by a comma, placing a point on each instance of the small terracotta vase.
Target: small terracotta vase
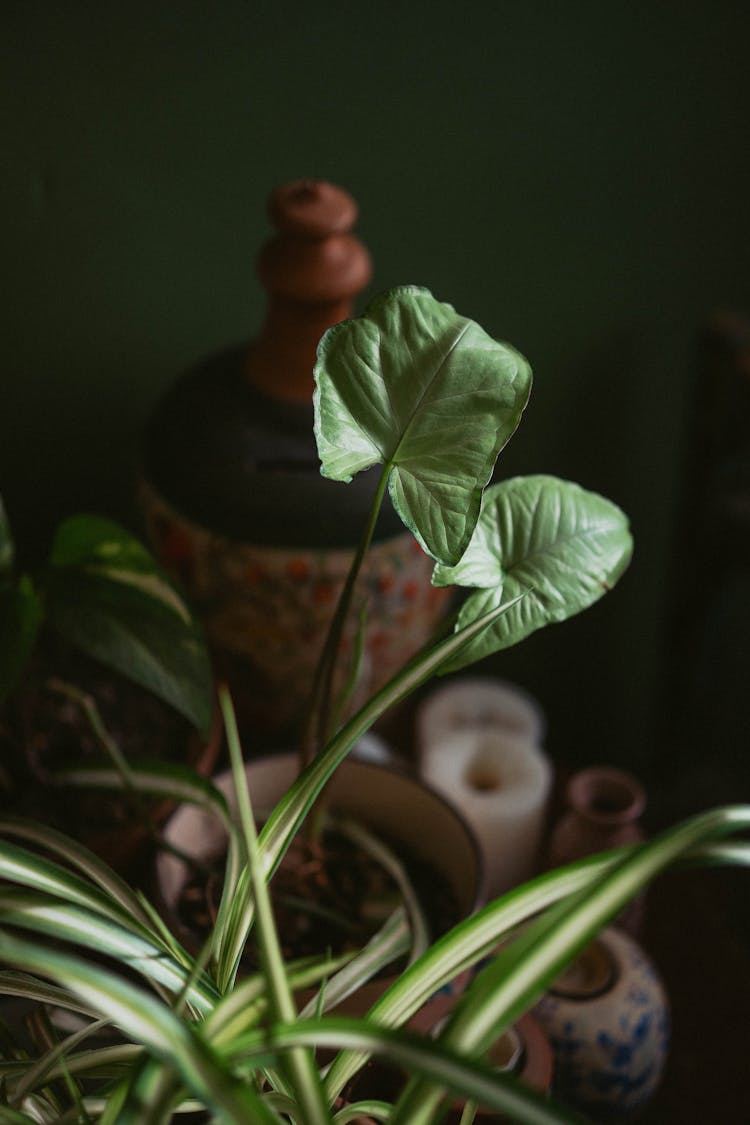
{"x": 607, "y": 1019}
{"x": 604, "y": 806}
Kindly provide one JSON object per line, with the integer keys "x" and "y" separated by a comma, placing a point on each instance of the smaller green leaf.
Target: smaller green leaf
{"x": 546, "y": 542}
{"x": 107, "y": 595}
{"x": 102, "y": 547}
{"x": 20, "y": 619}
{"x": 429, "y": 395}
{"x": 140, "y": 636}
{"x": 417, "y": 1054}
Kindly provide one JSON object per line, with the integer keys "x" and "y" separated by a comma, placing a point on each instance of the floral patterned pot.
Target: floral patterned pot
{"x": 266, "y": 611}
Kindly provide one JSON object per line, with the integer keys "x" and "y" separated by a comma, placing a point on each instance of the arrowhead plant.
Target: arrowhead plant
{"x": 429, "y": 395}
{"x": 433, "y": 399}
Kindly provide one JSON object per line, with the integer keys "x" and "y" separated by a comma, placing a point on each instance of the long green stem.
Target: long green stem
{"x": 316, "y": 731}
{"x": 288, "y": 815}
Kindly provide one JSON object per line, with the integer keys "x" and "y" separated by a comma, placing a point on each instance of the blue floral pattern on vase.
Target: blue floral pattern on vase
{"x": 610, "y": 1042}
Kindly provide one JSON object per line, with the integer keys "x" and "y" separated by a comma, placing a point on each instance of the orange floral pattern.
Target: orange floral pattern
{"x": 266, "y": 610}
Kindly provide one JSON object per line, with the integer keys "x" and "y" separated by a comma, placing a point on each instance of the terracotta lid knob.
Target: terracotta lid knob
{"x": 313, "y": 258}
{"x": 311, "y": 209}
{"x": 312, "y": 268}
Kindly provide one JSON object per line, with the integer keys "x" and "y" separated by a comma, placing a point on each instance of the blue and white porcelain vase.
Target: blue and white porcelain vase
{"x": 607, "y": 1019}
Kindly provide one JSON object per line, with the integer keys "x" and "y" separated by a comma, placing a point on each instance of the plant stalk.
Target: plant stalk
{"x": 316, "y": 728}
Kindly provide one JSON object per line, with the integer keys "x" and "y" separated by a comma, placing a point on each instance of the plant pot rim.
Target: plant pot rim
{"x": 167, "y": 863}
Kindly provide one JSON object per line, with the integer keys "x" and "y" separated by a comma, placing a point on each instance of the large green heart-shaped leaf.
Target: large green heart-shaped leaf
{"x": 550, "y": 540}
{"x": 107, "y": 595}
{"x": 427, "y": 393}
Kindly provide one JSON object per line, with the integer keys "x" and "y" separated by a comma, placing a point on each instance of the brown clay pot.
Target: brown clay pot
{"x": 604, "y": 806}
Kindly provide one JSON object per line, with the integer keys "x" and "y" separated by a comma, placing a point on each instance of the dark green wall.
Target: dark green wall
{"x": 575, "y": 176}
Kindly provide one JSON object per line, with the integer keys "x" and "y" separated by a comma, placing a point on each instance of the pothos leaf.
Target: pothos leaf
{"x": 103, "y": 548}
{"x": 550, "y": 540}
{"x": 107, "y": 595}
{"x": 427, "y": 393}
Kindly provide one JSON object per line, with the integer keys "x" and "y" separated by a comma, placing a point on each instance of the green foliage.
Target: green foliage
{"x": 428, "y": 395}
{"x": 104, "y": 593}
{"x": 159, "y": 1032}
{"x": 545, "y": 542}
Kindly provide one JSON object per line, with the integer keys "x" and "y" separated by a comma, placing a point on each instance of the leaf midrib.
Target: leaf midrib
{"x": 391, "y": 462}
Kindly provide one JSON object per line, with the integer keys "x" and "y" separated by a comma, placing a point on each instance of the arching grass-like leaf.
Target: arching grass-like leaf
{"x": 561, "y": 546}
{"x": 518, "y": 975}
{"x": 429, "y": 395}
{"x": 26, "y": 910}
{"x": 146, "y": 1020}
{"x": 465, "y": 1076}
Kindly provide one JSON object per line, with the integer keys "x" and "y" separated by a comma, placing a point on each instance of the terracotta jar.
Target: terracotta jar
{"x": 234, "y": 503}
{"x": 604, "y": 809}
{"x": 523, "y": 1051}
{"x": 604, "y": 806}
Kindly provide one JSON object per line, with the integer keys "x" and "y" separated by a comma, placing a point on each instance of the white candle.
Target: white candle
{"x": 501, "y": 785}
{"x": 478, "y": 703}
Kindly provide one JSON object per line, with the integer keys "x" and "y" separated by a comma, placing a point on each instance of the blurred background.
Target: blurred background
{"x": 575, "y": 177}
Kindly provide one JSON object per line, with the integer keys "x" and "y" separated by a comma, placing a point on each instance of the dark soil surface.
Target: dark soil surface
{"x": 328, "y": 894}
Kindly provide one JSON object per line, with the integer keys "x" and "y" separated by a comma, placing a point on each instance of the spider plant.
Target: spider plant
{"x": 135, "y": 1030}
